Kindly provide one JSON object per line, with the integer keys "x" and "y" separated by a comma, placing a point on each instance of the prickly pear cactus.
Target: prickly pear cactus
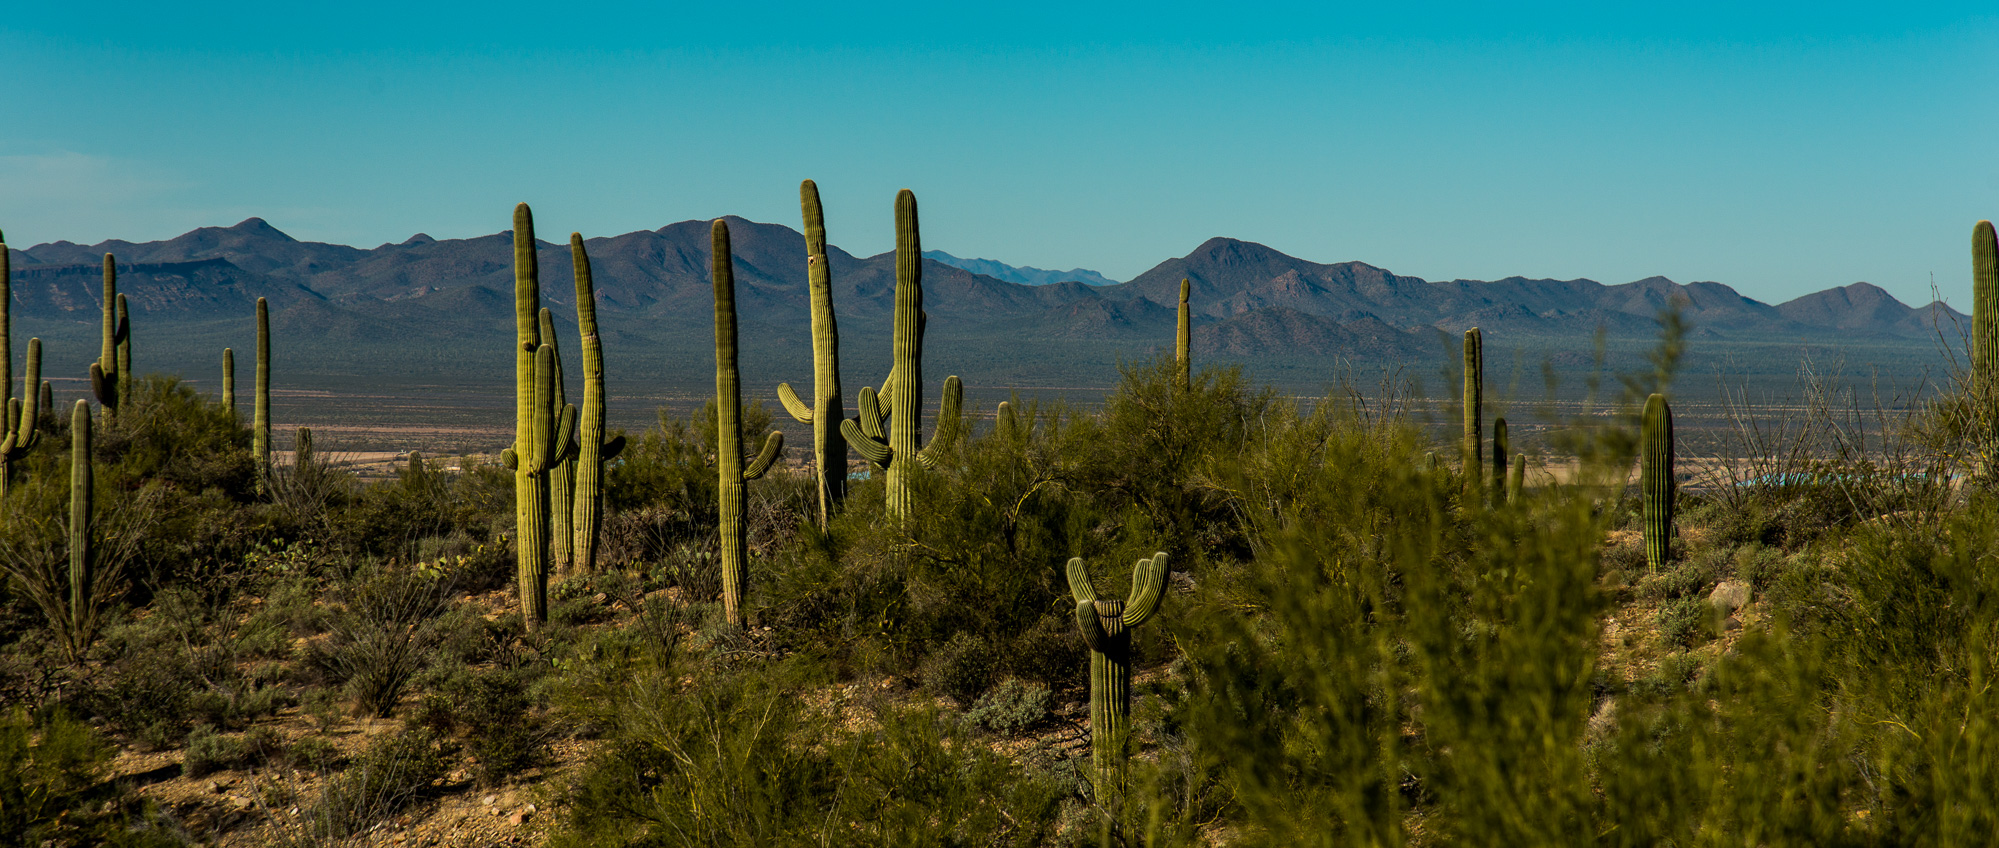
{"x": 897, "y": 449}
{"x": 1106, "y": 627}
{"x": 729, "y": 432}
{"x": 1655, "y": 480}
{"x": 829, "y": 447}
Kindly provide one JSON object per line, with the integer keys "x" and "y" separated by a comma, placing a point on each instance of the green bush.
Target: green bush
{"x": 51, "y": 792}
{"x": 395, "y": 772}
{"x": 1685, "y": 622}
{"x": 382, "y": 635}
{"x": 1010, "y": 707}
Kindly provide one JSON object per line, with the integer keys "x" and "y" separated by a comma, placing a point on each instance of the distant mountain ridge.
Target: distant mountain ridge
{"x": 1020, "y": 273}
{"x": 652, "y": 286}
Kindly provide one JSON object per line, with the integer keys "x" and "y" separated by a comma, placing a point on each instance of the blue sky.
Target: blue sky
{"x": 1778, "y": 149}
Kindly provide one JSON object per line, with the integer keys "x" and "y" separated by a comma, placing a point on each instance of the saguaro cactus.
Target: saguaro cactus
{"x": 1183, "y": 336}
{"x": 124, "y": 354}
{"x": 541, "y": 428}
{"x": 229, "y": 383}
{"x": 22, "y": 414}
{"x": 897, "y": 450}
{"x": 1655, "y": 479}
{"x": 1985, "y": 340}
{"x": 1474, "y": 404}
{"x": 828, "y": 410}
{"x": 260, "y": 416}
{"x": 1516, "y": 480}
{"x": 1499, "y": 457}
{"x": 80, "y": 503}
{"x": 731, "y": 474}
{"x": 1106, "y": 628}
{"x": 106, "y": 379}
{"x": 561, "y": 476}
{"x": 592, "y": 450}
{"x": 302, "y": 450}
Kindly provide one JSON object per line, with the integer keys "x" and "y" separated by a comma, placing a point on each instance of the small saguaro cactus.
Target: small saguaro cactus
{"x": 229, "y": 382}
{"x": 1182, "y": 338}
{"x": 1474, "y": 455}
{"x": 23, "y": 415}
{"x": 1499, "y": 457}
{"x": 829, "y": 448}
{"x": 562, "y": 477}
{"x": 1655, "y": 479}
{"x": 897, "y": 450}
{"x": 541, "y": 428}
{"x": 302, "y": 450}
{"x": 1106, "y": 628}
{"x": 260, "y": 414}
{"x": 106, "y": 378}
{"x": 1985, "y": 341}
{"x": 731, "y": 474}
{"x": 592, "y": 449}
{"x": 81, "y": 579}
{"x": 1516, "y": 478}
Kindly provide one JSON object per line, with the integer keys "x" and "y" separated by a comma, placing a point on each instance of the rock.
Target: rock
{"x": 521, "y": 816}
{"x": 1729, "y": 596}
{"x": 490, "y": 800}
{"x": 1730, "y": 624}
{"x": 600, "y": 598}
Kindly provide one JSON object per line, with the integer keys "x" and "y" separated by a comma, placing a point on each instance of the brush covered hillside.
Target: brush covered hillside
{"x": 402, "y": 313}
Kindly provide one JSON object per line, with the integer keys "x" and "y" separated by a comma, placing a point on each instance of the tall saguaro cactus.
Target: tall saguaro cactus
{"x": 829, "y": 447}
{"x": 22, "y": 414}
{"x": 260, "y": 415}
{"x": 897, "y": 450}
{"x": 561, "y": 476}
{"x": 108, "y": 379}
{"x": 1474, "y": 406}
{"x": 1985, "y": 341}
{"x": 1516, "y": 481}
{"x": 229, "y": 383}
{"x": 81, "y": 579}
{"x": 1500, "y": 454}
{"x": 1106, "y": 628}
{"x": 541, "y": 428}
{"x": 592, "y": 450}
{"x": 1655, "y": 479}
{"x": 1183, "y": 336}
{"x": 729, "y": 431}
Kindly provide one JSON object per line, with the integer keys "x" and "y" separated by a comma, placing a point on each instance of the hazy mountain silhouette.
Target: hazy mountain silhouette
{"x": 1020, "y": 274}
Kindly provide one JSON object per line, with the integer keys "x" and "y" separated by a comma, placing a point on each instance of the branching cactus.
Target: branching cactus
{"x": 829, "y": 447}
{"x": 124, "y": 354}
{"x": 541, "y": 428}
{"x": 1499, "y": 457}
{"x": 229, "y": 383}
{"x": 562, "y": 477}
{"x": 22, "y": 415}
{"x": 1474, "y": 404}
{"x": 1655, "y": 480}
{"x": 1985, "y": 341}
{"x": 729, "y": 432}
{"x": 105, "y": 378}
{"x": 1106, "y": 628}
{"x": 896, "y": 449}
{"x": 1182, "y": 338}
{"x": 592, "y": 450}
{"x": 260, "y": 416}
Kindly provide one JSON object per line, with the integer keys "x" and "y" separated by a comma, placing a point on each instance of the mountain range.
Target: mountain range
{"x": 1248, "y": 300}
{"x": 1020, "y": 273}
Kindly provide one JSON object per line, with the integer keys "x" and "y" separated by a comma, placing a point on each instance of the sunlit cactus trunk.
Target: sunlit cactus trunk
{"x": 1182, "y": 338}
{"x": 1474, "y": 409}
{"x": 23, "y": 415}
{"x": 1985, "y": 344}
{"x": 562, "y": 476}
{"x": 1106, "y": 628}
{"x": 592, "y": 450}
{"x": 229, "y": 383}
{"x": 730, "y": 473}
{"x": 105, "y": 380}
{"x": 1516, "y": 479}
{"x": 829, "y": 447}
{"x": 1655, "y": 480}
{"x": 81, "y": 503}
{"x": 897, "y": 450}
{"x": 1499, "y": 456}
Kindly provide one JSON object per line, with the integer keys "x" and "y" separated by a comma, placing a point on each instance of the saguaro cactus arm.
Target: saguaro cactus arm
{"x": 1085, "y": 594}
{"x": 793, "y": 404}
{"x": 1656, "y": 480}
{"x": 1148, "y": 585}
{"x": 773, "y": 446}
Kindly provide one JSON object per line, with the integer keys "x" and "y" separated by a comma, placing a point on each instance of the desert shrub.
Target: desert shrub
{"x": 382, "y": 634}
{"x": 314, "y": 753}
{"x": 1010, "y": 707}
{"x": 208, "y": 751}
{"x": 51, "y": 792}
{"x": 1683, "y": 578}
{"x": 669, "y": 467}
{"x": 395, "y": 772}
{"x": 962, "y": 668}
{"x": 393, "y": 518}
{"x": 1683, "y": 622}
